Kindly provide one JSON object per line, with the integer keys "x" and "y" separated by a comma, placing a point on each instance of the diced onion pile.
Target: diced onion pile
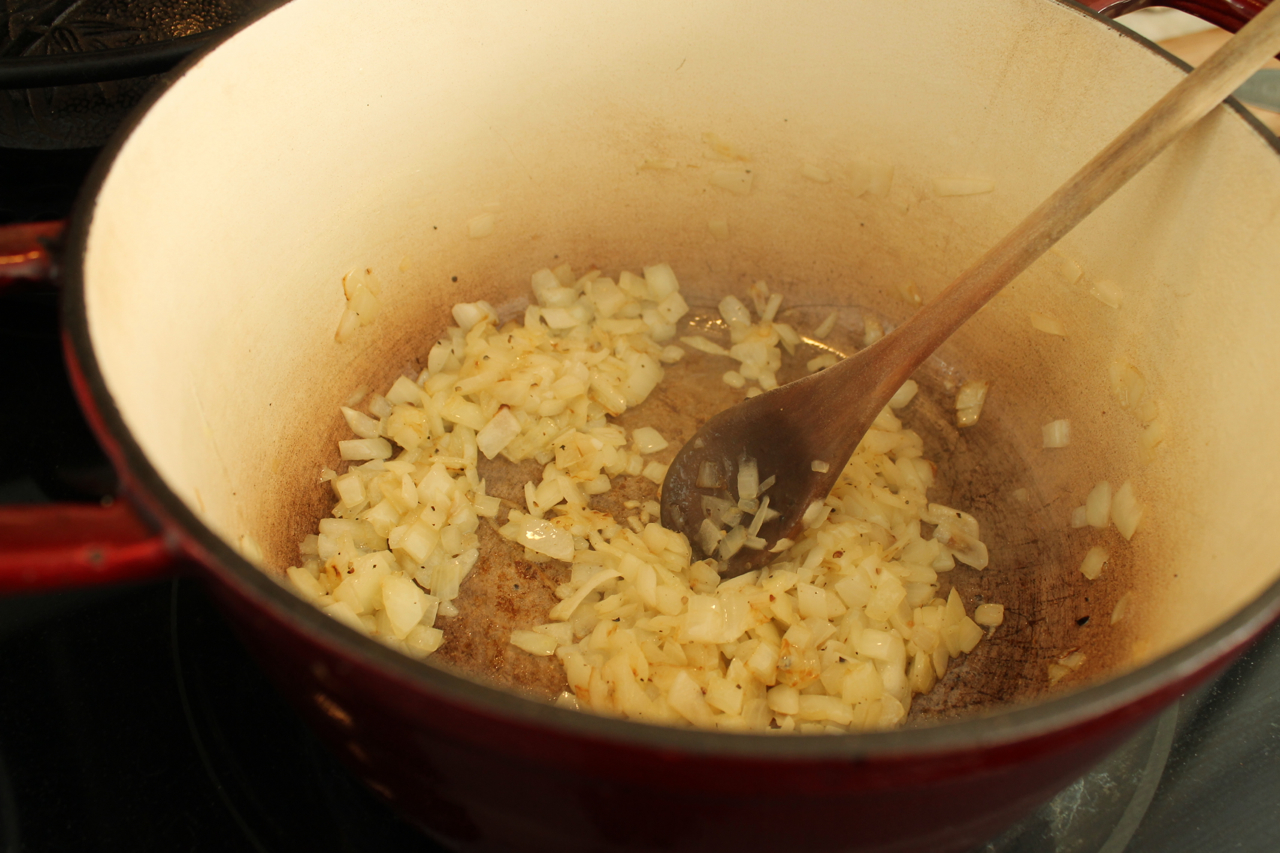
{"x": 837, "y": 634}
{"x": 757, "y": 347}
{"x": 403, "y": 532}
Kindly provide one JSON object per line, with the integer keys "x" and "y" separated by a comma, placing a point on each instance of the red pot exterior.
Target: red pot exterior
{"x": 1228, "y": 14}
{"x": 480, "y": 782}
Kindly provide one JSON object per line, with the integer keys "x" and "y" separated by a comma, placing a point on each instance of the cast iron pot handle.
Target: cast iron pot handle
{"x": 1231, "y": 15}
{"x": 45, "y": 546}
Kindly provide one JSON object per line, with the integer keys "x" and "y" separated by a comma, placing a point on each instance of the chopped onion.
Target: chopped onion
{"x": 1047, "y": 323}
{"x": 822, "y": 362}
{"x": 498, "y": 433}
{"x": 404, "y": 602}
{"x": 966, "y": 548}
{"x": 562, "y": 611}
{"x": 703, "y": 345}
{"x": 1097, "y": 506}
{"x": 815, "y": 173}
{"x": 648, "y": 440}
{"x": 787, "y": 336}
{"x": 1121, "y": 605}
{"x": 771, "y": 308}
{"x": 709, "y": 536}
{"x": 736, "y": 181}
{"x": 1126, "y": 512}
{"x": 468, "y": 314}
{"x": 347, "y": 325}
{"x": 359, "y": 449}
{"x": 989, "y": 615}
{"x": 936, "y": 513}
{"x": 1065, "y": 666}
{"x": 1097, "y": 557}
{"x": 655, "y": 471}
{"x": 480, "y": 226}
{"x": 761, "y": 516}
{"x": 904, "y": 395}
{"x": 534, "y": 643}
{"x": 1107, "y": 293}
{"x": 748, "y": 479}
{"x": 869, "y": 177}
{"x": 361, "y": 424}
{"x": 305, "y": 583}
{"x": 733, "y": 312}
{"x": 709, "y": 476}
{"x": 1127, "y": 383}
{"x": 364, "y": 304}
{"x": 732, "y": 542}
{"x": 722, "y": 147}
{"x": 1056, "y": 433}
{"x": 872, "y": 330}
{"x": 540, "y": 535}
{"x": 1062, "y": 266}
{"x": 971, "y": 394}
{"x": 662, "y": 282}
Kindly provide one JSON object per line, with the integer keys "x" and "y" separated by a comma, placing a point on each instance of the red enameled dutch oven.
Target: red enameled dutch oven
{"x": 203, "y": 286}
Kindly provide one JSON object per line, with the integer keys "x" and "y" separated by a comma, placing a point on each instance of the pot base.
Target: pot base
{"x": 284, "y": 785}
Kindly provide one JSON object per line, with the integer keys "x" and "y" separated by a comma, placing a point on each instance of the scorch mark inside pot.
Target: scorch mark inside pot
{"x": 805, "y": 662}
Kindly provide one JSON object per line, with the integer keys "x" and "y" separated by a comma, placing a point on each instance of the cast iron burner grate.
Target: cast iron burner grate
{"x": 280, "y": 786}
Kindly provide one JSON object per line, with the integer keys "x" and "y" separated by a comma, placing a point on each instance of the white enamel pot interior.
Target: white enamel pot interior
{"x": 329, "y": 137}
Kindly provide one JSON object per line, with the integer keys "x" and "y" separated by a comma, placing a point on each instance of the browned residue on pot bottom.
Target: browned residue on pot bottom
{"x": 1050, "y": 609}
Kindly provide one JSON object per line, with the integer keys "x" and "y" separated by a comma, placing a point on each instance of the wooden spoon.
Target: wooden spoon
{"x": 824, "y": 416}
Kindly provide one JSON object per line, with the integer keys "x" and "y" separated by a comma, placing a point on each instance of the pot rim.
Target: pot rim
{"x": 142, "y": 482}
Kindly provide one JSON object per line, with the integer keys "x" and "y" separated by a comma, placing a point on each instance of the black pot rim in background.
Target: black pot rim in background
{"x": 120, "y": 63}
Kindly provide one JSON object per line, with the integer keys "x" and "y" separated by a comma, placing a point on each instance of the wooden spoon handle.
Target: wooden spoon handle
{"x": 1184, "y": 105}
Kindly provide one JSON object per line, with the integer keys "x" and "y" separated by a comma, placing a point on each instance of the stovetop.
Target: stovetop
{"x": 131, "y": 718}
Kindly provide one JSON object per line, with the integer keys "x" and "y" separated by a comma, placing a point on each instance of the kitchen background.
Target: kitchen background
{"x": 130, "y": 718}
